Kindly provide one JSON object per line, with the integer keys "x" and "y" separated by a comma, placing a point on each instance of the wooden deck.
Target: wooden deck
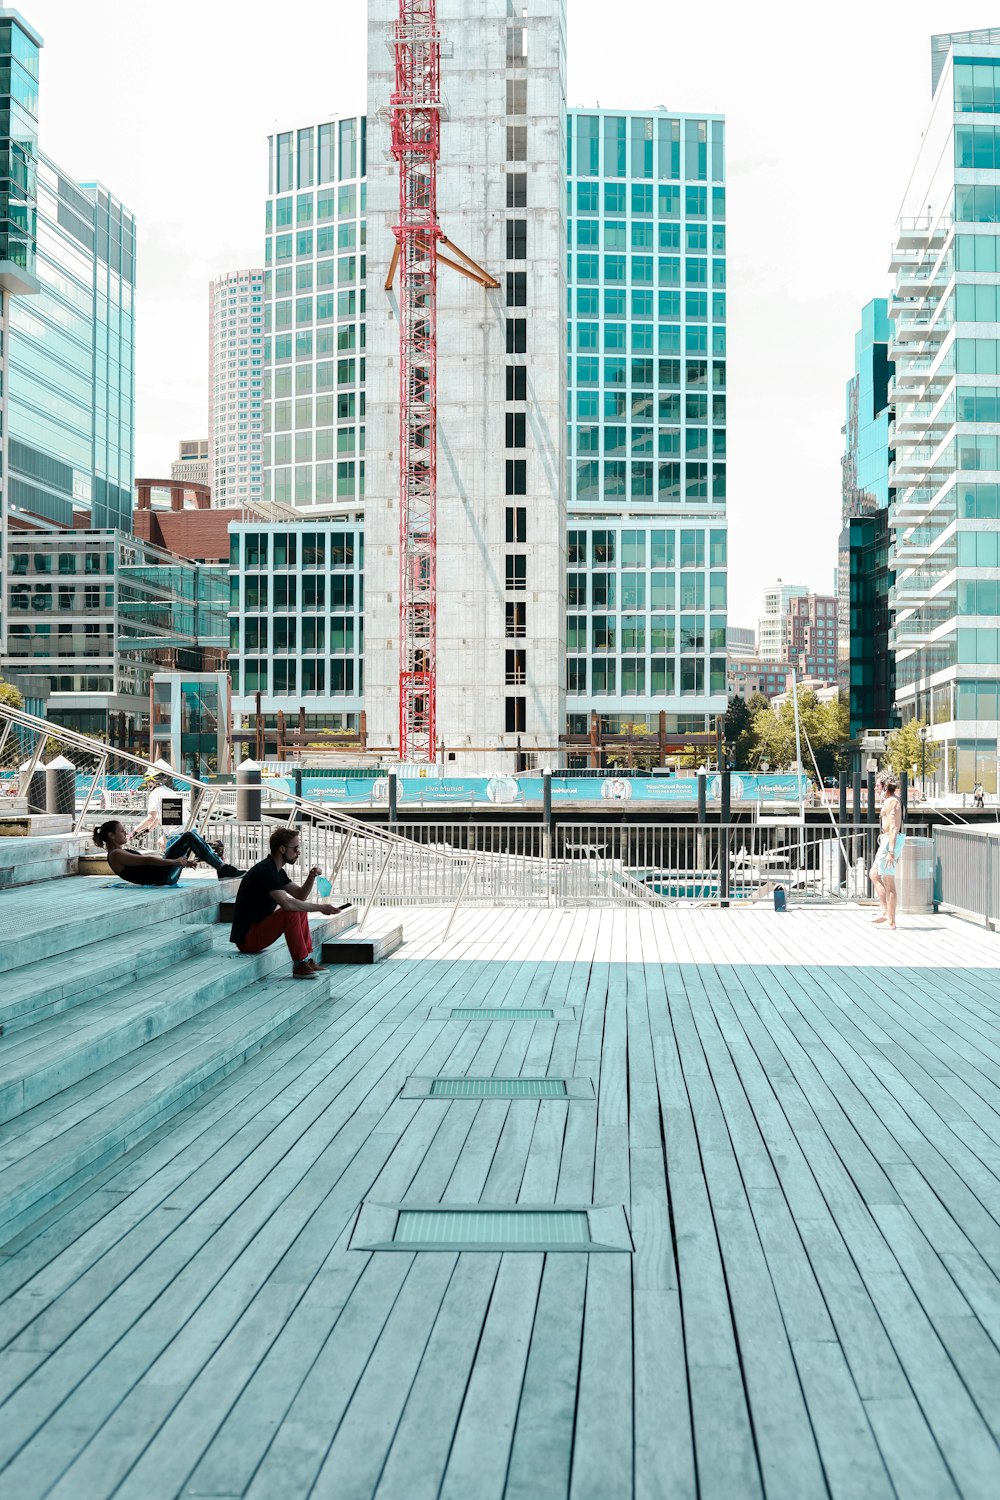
{"x": 799, "y": 1113}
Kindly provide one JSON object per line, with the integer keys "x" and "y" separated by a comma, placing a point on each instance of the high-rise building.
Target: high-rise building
{"x": 191, "y": 464}
{"x": 67, "y": 274}
{"x": 235, "y": 387}
{"x": 865, "y": 664}
{"x": 771, "y": 623}
{"x": 811, "y": 636}
{"x": 501, "y": 393}
{"x": 741, "y": 640}
{"x": 646, "y": 589}
{"x": 314, "y": 316}
{"x": 945, "y": 515}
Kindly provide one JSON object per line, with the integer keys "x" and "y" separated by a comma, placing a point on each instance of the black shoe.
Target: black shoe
{"x": 229, "y": 872}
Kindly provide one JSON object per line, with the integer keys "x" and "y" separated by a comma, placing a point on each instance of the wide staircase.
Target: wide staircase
{"x": 119, "y": 1006}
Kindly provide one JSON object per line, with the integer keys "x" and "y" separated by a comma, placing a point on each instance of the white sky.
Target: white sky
{"x": 170, "y": 107}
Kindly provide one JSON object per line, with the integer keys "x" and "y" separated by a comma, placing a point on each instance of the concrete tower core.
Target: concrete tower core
{"x": 501, "y": 518}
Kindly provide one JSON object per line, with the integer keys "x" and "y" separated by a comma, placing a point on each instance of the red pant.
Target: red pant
{"x": 294, "y": 925}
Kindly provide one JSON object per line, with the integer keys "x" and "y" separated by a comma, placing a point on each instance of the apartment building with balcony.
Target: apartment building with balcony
{"x": 944, "y": 519}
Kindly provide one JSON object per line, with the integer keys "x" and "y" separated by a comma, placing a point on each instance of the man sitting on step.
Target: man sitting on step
{"x": 269, "y": 906}
{"x": 140, "y": 868}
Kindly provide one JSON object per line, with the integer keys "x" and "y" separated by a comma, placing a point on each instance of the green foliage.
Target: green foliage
{"x": 10, "y": 695}
{"x": 904, "y": 748}
{"x": 770, "y": 736}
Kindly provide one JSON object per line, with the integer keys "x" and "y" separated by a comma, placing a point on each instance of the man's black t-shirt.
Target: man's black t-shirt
{"x": 254, "y": 901}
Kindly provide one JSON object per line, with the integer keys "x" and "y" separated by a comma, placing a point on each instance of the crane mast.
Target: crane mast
{"x": 415, "y": 107}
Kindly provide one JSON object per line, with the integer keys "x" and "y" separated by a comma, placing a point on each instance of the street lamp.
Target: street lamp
{"x": 923, "y": 760}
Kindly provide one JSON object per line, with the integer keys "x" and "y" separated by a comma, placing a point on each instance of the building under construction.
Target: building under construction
{"x": 465, "y": 527}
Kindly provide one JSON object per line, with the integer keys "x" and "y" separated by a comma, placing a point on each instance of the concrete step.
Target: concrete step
{"x": 55, "y": 1148}
{"x": 29, "y": 859}
{"x": 52, "y": 1148}
{"x": 18, "y": 819}
{"x": 63, "y": 916}
{"x": 51, "y": 1055}
{"x": 340, "y": 922}
{"x": 363, "y": 950}
{"x": 58, "y": 984}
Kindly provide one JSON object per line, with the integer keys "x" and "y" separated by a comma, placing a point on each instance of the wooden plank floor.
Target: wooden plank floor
{"x": 799, "y": 1112}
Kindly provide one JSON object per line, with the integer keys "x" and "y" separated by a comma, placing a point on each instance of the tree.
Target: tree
{"x": 10, "y": 695}
{"x": 771, "y": 735}
{"x": 741, "y": 717}
{"x": 737, "y": 720}
{"x": 904, "y": 749}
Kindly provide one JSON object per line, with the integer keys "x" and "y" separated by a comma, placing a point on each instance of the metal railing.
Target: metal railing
{"x": 967, "y": 871}
{"x": 566, "y": 862}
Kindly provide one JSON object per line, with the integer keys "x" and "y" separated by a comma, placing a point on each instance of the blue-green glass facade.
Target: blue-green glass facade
{"x": 19, "y": 56}
{"x": 866, "y": 664}
{"x": 71, "y": 362}
{"x": 647, "y": 392}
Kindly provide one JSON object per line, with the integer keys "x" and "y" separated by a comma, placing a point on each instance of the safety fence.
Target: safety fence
{"x": 967, "y": 871}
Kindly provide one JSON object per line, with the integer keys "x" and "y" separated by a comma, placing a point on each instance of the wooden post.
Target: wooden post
{"x": 281, "y": 734}
{"x": 363, "y": 729}
{"x": 595, "y": 742}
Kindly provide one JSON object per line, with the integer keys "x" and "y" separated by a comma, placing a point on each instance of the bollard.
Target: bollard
{"x": 248, "y": 794}
{"x": 842, "y": 819}
{"x": 297, "y": 791}
{"x": 60, "y": 786}
{"x": 701, "y": 855}
{"x": 904, "y": 792}
{"x": 393, "y": 799}
{"x": 725, "y": 813}
{"x": 871, "y": 817}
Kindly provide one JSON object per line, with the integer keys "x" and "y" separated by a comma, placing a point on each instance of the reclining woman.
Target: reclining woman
{"x": 140, "y": 868}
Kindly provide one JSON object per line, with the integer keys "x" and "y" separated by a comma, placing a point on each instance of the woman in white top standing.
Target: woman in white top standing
{"x": 890, "y": 847}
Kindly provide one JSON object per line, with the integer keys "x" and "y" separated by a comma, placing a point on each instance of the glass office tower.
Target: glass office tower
{"x": 865, "y": 667}
{"x": 945, "y": 515}
{"x": 19, "y": 57}
{"x": 314, "y": 316}
{"x": 646, "y": 588}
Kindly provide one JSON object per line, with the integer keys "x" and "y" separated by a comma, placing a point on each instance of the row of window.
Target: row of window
{"x": 664, "y": 549}
{"x": 643, "y": 303}
{"x": 258, "y": 675}
{"x": 614, "y": 479}
{"x": 282, "y": 548}
{"x": 283, "y": 246}
{"x": 62, "y": 562}
{"x": 644, "y": 372}
{"x": 644, "y": 147}
{"x": 316, "y": 154}
{"x": 335, "y": 591}
{"x": 284, "y": 634}
{"x": 618, "y": 406}
{"x": 627, "y": 676}
{"x": 646, "y": 338}
{"x": 696, "y": 442}
{"x": 656, "y": 590}
{"x": 333, "y": 203}
{"x": 616, "y": 268}
{"x": 615, "y": 234}
{"x": 632, "y": 632}
{"x": 617, "y": 197}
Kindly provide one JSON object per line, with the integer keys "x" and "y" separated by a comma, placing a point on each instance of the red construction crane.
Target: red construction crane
{"x": 415, "y": 106}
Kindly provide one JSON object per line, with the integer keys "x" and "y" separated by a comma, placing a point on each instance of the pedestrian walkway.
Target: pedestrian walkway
{"x": 790, "y": 1128}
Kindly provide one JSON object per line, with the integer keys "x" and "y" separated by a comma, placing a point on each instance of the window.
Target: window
{"x": 516, "y": 571}
{"x": 517, "y": 143}
{"x": 517, "y": 239}
{"x": 517, "y": 523}
{"x": 517, "y": 335}
{"x": 516, "y": 674}
{"x": 516, "y": 715}
{"x": 516, "y": 627}
{"x": 517, "y": 476}
{"x": 576, "y": 675}
{"x": 517, "y": 190}
{"x": 517, "y": 383}
{"x": 516, "y": 431}
{"x": 517, "y": 288}
{"x": 517, "y": 96}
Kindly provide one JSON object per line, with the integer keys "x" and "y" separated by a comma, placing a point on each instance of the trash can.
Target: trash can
{"x": 60, "y": 786}
{"x": 248, "y": 796}
{"x": 915, "y": 878}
